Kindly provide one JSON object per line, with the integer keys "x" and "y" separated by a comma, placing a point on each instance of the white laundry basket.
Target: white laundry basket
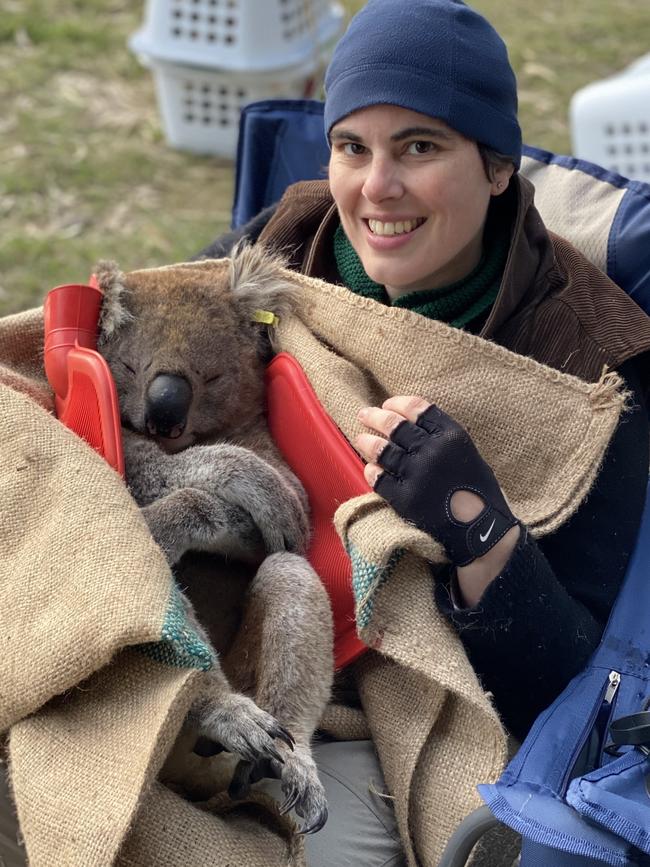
{"x": 200, "y": 108}
{"x": 610, "y": 122}
{"x": 240, "y": 35}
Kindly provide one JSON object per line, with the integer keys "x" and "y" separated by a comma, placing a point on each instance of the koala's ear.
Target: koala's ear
{"x": 257, "y": 281}
{"x": 114, "y": 313}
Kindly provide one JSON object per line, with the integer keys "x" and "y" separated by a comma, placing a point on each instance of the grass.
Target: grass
{"x": 84, "y": 169}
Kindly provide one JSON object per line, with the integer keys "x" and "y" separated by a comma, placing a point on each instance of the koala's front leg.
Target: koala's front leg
{"x": 190, "y": 519}
{"x": 248, "y": 482}
{"x": 285, "y": 647}
{"x": 230, "y": 719}
{"x": 147, "y": 468}
{"x": 183, "y": 518}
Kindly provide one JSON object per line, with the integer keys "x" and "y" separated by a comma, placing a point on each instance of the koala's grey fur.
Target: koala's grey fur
{"x": 221, "y": 488}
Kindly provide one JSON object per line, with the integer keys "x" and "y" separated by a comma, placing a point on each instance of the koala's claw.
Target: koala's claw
{"x": 290, "y": 802}
{"x": 284, "y": 735}
{"x": 316, "y": 825}
{"x": 274, "y": 754}
{"x": 247, "y": 773}
{"x": 300, "y": 785}
{"x": 309, "y": 805}
{"x": 241, "y": 781}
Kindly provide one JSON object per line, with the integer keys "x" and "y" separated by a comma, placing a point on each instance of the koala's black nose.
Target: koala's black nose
{"x": 168, "y": 402}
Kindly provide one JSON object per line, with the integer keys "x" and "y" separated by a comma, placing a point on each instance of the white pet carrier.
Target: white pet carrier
{"x": 244, "y": 35}
{"x": 200, "y": 108}
{"x": 610, "y": 122}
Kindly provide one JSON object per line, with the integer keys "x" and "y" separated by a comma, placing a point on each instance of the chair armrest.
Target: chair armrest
{"x": 466, "y": 836}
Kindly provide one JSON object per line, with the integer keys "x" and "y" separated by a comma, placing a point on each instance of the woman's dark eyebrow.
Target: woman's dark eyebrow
{"x": 344, "y": 133}
{"x": 412, "y": 131}
{"x": 408, "y": 132}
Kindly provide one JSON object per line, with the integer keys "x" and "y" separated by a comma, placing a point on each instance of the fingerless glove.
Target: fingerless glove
{"x": 425, "y": 462}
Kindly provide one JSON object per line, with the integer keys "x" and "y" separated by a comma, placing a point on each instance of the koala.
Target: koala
{"x": 188, "y": 362}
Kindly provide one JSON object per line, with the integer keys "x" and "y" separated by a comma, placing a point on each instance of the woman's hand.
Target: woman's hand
{"x": 431, "y": 473}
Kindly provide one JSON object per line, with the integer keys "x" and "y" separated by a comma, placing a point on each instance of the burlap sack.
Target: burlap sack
{"x": 171, "y": 832}
{"x": 84, "y": 581}
{"x": 544, "y": 433}
{"x": 90, "y": 721}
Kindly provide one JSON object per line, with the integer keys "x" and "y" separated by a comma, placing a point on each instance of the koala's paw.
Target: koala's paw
{"x": 299, "y": 782}
{"x": 282, "y": 524}
{"x": 303, "y": 789}
{"x": 238, "y": 725}
{"x": 275, "y": 506}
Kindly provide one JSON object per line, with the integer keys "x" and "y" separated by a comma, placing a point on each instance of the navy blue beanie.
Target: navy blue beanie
{"x": 437, "y": 57}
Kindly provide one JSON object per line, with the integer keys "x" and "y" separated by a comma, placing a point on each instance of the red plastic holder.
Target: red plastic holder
{"x": 85, "y": 394}
{"x": 314, "y": 448}
{"x": 331, "y": 472}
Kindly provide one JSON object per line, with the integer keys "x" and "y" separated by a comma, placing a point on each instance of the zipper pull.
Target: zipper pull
{"x": 612, "y": 687}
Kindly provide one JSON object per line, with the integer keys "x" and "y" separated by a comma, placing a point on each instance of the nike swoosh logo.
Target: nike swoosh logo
{"x": 484, "y": 538}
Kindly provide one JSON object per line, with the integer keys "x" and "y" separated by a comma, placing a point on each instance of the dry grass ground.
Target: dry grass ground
{"x": 84, "y": 169}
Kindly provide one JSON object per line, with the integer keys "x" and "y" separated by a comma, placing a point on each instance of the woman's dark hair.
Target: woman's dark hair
{"x": 493, "y": 160}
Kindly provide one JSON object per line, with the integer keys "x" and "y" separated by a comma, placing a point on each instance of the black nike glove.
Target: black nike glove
{"x": 424, "y": 463}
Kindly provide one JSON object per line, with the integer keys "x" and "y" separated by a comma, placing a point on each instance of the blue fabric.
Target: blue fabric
{"x": 440, "y": 58}
{"x": 629, "y": 244}
{"x": 536, "y": 855}
{"x": 280, "y": 142}
{"x": 617, "y": 797}
{"x": 530, "y": 796}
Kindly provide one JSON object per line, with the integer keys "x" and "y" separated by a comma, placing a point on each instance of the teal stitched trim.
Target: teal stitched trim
{"x": 179, "y": 646}
{"x": 367, "y": 578}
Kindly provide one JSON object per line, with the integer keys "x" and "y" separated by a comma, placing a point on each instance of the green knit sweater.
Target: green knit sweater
{"x": 463, "y": 304}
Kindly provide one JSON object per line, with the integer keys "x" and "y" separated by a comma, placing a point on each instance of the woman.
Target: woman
{"x": 424, "y": 210}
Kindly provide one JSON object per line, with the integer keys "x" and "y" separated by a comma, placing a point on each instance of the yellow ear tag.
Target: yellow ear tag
{"x": 266, "y": 317}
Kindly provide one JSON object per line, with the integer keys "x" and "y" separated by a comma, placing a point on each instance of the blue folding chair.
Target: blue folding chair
{"x": 280, "y": 142}
{"x": 578, "y": 790}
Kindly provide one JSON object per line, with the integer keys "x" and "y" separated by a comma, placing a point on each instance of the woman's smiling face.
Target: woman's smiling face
{"x": 412, "y": 195}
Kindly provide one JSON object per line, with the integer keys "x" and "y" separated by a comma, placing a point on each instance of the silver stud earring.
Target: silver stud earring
{"x": 499, "y": 184}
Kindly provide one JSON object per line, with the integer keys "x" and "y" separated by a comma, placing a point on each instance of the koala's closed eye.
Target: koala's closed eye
{"x": 208, "y": 379}
{"x": 127, "y": 366}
